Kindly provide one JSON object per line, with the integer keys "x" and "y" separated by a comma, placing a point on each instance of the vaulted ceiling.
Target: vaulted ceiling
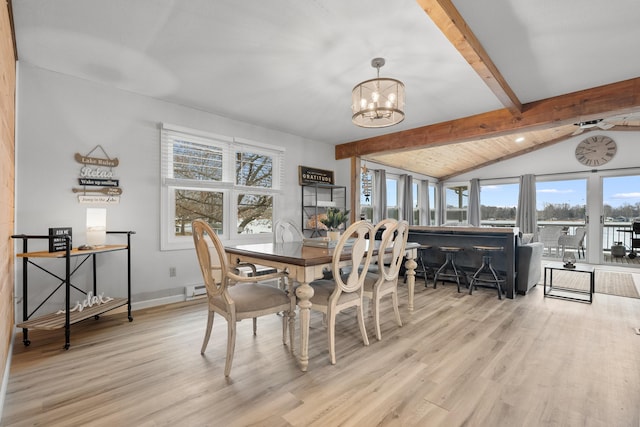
{"x": 477, "y": 74}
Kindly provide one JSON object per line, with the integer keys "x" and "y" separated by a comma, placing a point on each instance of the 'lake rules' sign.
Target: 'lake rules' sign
{"x": 98, "y": 185}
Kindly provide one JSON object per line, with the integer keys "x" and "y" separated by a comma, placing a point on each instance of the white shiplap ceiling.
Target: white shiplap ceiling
{"x": 290, "y": 65}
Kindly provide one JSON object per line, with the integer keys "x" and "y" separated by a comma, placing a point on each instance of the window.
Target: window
{"x": 432, "y": 203}
{"x": 392, "y": 198}
{"x": 415, "y": 203}
{"x": 498, "y": 204}
{"x": 457, "y": 198}
{"x": 229, "y": 183}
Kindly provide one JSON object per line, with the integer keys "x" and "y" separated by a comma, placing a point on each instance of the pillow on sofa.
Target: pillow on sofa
{"x": 526, "y": 238}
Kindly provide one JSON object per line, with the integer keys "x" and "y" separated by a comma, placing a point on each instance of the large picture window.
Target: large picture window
{"x": 232, "y": 184}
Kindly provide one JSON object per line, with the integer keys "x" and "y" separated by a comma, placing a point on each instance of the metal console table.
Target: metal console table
{"x": 550, "y": 290}
{"x": 54, "y": 320}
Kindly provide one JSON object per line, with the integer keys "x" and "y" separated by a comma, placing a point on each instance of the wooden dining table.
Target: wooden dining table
{"x": 305, "y": 264}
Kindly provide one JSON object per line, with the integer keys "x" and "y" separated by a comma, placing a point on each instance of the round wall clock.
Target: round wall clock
{"x": 596, "y": 150}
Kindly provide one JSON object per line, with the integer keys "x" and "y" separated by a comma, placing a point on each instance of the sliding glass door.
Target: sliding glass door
{"x": 562, "y": 217}
{"x": 620, "y": 207}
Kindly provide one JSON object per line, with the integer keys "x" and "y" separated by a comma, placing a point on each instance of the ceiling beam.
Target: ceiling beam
{"x": 612, "y": 99}
{"x": 445, "y": 15}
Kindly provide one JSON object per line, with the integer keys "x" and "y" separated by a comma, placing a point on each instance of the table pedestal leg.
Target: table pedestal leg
{"x": 304, "y": 292}
{"x": 411, "y": 265}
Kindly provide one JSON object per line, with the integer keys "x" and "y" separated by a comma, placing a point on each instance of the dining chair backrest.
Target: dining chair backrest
{"x": 213, "y": 265}
{"x": 285, "y": 230}
{"x": 397, "y": 240}
{"x": 356, "y": 238}
{"x": 387, "y": 226}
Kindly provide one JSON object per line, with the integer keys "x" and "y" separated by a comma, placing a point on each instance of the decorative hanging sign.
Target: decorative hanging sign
{"x": 96, "y": 178}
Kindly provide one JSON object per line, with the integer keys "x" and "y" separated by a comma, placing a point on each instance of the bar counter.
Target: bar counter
{"x": 469, "y": 259}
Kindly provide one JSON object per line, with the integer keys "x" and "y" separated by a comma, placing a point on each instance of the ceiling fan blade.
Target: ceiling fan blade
{"x": 577, "y": 131}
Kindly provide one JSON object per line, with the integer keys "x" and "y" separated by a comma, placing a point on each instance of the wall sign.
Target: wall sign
{"x": 307, "y": 175}
{"x": 57, "y": 241}
{"x": 97, "y": 181}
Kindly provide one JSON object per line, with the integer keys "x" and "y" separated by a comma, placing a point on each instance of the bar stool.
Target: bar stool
{"x": 486, "y": 274}
{"x": 449, "y": 268}
{"x": 423, "y": 269}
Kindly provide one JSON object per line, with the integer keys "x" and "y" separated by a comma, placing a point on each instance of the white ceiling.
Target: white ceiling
{"x": 290, "y": 65}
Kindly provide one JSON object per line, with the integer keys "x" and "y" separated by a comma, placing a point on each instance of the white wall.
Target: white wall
{"x": 59, "y": 116}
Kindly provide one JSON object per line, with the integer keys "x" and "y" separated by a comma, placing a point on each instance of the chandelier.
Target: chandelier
{"x": 378, "y": 102}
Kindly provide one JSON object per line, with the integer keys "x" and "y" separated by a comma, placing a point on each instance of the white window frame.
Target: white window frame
{"x": 227, "y": 186}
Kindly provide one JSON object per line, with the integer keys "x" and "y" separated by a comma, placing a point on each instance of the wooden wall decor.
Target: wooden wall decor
{"x": 99, "y": 186}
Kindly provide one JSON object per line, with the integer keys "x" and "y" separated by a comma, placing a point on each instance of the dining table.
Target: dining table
{"x": 305, "y": 264}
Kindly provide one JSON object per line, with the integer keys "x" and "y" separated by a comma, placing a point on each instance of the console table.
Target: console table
{"x": 554, "y": 291}
{"x": 65, "y": 320}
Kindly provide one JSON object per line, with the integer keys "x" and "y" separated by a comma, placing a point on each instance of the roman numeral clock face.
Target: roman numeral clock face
{"x": 596, "y": 150}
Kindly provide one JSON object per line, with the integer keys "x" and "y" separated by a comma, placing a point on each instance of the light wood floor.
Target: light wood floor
{"x": 459, "y": 360}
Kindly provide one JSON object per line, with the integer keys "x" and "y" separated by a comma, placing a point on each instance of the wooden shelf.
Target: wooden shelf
{"x": 73, "y": 252}
{"x": 57, "y": 321}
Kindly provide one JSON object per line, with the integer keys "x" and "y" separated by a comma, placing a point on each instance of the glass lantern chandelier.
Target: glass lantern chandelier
{"x": 378, "y": 102}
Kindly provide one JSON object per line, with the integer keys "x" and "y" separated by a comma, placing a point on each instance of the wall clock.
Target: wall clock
{"x": 596, "y": 150}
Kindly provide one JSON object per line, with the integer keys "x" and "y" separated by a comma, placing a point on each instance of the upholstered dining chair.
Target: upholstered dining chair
{"x": 285, "y": 230}
{"x": 232, "y": 296}
{"x": 344, "y": 291}
{"x": 385, "y": 280}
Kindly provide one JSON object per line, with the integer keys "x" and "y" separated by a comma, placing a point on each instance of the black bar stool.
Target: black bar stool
{"x": 449, "y": 269}
{"x": 486, "y": 274}
{"x": 423, "y": 269}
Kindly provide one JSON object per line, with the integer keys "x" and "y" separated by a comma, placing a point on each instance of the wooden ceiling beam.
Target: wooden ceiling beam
{"x": 612, "y": 99}
{"x": 445, "y": 15}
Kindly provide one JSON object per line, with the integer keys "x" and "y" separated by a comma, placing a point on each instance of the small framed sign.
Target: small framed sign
{"x": 57, "y": 242}
{"x": 307, "y": 175}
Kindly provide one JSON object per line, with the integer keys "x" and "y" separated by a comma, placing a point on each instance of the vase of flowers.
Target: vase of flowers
{"x": 334, "y": 221}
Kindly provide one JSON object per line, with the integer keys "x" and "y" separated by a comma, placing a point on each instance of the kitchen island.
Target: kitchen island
{"x": 468, "y": 237}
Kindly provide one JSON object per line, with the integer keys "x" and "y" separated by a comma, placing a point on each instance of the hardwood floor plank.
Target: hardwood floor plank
{"x": 458, "y": 360}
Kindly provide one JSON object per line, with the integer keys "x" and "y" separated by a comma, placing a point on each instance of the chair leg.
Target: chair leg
{"x": 363, "y": 330}
{"x": 375, "y": 300}
{"x": 207, "y": 334}
{"x": 331, "y": 335}
{"x": 394, "y": 300}
{"x": 285, "y": 320}
{"x": 231, "y": 344}
{"x": 255, "y": 326}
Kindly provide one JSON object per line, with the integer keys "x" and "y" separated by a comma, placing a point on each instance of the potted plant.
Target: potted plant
{"x": 334, "y": 220}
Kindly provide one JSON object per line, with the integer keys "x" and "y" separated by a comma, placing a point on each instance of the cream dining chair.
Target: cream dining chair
{"x": 334, "y": 295}
{"x": 385, "y": 280}
{"x": 232, "y": 296}
{"x": 285, "y": 231}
